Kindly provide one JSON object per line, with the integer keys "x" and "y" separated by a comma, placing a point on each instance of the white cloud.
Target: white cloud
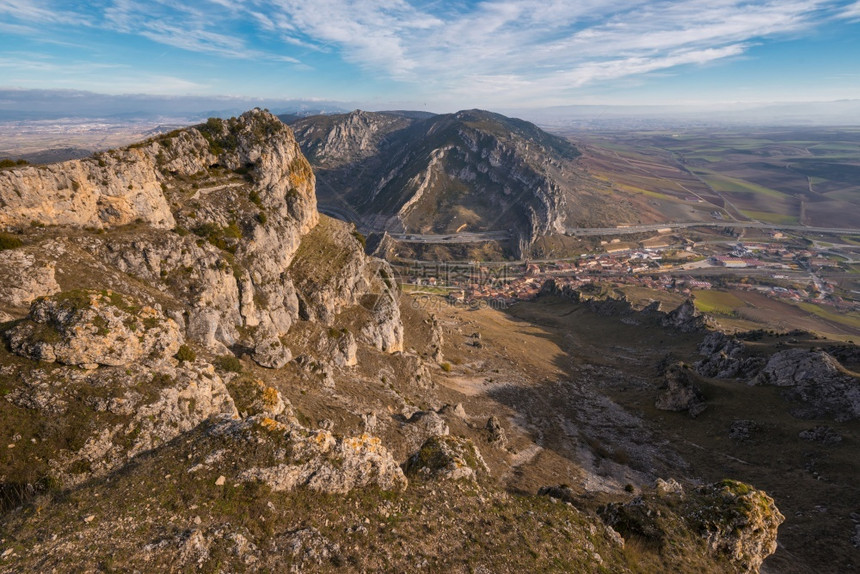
{"x": 851, "y": 12}
{"x": 498, "y": 49}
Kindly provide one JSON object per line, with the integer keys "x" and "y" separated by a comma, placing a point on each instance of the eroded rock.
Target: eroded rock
{"x": 681, "y": 393}
{"x": 447, "y": 458}
{"x": 815, "y": 379}
{"x": 89, "y": 328}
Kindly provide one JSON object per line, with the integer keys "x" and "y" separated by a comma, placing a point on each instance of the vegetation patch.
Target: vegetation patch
{"x": 229, "y": 363}
{"x": 9, "y": 241}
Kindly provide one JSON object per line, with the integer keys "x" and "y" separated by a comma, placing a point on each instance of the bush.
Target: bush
{"x": 8, "y": 163}
{"x": 229, "y": 363}
{"x": 9, "y": 241}
{"x": 186, "y": 353}
{"x": 446, "y": 367}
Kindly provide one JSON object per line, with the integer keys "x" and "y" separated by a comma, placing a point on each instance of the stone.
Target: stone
{"x": 26, "y": 277}
{"x": 740, "y": 523}
{"x": 726, "y": 358}
{"x": 669, "y": 487}
{"x": 821, "y": 434}
{"x": 686, "y": 318}
{"x": 322, "y": 462}
{"x": 270, "y": 352}
{"x": 742, "y": 430}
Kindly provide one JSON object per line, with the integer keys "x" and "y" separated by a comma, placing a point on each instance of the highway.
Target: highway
{"x": 345, "y": 213}
{"x": 465, "y": 237}
{"x": 633, "y": 229}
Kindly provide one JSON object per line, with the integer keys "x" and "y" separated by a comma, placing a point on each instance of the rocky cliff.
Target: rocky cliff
{"x": 210, "y": 217}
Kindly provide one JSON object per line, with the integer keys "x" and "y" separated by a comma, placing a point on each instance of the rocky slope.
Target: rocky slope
{"x": 471, "y": 171}
{"x": 199, "y": 371}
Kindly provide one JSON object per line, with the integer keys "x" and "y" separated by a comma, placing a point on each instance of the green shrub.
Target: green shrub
{"x": 446, "y": 367}
{"x": 361, "y": 238}
{"x": 9, "y": 241}
{"x": 186, "y": 353}
{"x": 8, "y": 163}
{"x": 229, "y": 363}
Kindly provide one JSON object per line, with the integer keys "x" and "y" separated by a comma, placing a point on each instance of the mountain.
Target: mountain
{"x": 199, "y": 371}
{"x": 473, "y": 171}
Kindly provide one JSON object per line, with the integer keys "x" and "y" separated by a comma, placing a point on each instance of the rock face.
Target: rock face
{"x": 815, "y": 379}
{"x": 390, "y": 172}
{"x": 115, "y": 413}
{"x": 90, "y": 328}
{"x": 680, "y": 393}
{"x": 496, "y": 435}
{"x": 241, "y": 201}
{"x": 116, "y": 188}
{"x": 25, "y": 277}
{"x": 385, "y": 329}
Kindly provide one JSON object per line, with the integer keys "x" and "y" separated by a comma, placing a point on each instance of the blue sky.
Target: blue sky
{"x": 437, "y": 55}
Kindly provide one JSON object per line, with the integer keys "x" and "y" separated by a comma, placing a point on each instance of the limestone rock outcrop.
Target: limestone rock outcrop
{"x": 726, "y": 357}
{"x": 815, "y": 379}
{"x": 240, "y": 200}
{"x": 319, "y": 460}
{"x": 447, "y": 458}
{"x": 90, "y": 328}
{"x": 116, "y": 188}
{"x": 26, "y": 276}
{"x": 680, "y": 393}
{"x": 739, "y": 523}
{"x": 685, "y": 318}
{"x": 734, "y": 521}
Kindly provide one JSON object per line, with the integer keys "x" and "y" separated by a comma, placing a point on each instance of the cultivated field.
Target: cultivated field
{"x": 778, "y": 175}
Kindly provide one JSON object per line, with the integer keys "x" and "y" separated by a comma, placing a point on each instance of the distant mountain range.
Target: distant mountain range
{"x": 31, "y": 105}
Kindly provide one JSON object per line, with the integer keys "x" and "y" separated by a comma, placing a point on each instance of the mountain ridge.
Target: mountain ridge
{"x": 472, "y": 170}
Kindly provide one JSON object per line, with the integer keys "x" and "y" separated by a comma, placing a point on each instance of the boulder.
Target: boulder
{"x": 686, "y": 318}
{"x": 496, "y": 432}
{"x": 726, "y": 358}
{"x": 680, "y": 393}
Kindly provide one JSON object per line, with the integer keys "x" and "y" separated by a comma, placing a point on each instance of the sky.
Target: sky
{"x": 439, "y": 55}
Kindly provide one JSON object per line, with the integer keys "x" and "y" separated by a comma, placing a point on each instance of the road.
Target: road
{"x": 633, "y": 229}
{"x": 465, "y": 237}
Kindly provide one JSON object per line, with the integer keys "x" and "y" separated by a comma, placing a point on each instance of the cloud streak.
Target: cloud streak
{"x": 507, "y": 49}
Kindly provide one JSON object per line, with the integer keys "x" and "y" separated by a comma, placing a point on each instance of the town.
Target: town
{"x": 787, "y": 268}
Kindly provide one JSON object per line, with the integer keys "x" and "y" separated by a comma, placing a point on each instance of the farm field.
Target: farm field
{"x": 782, "y": 176}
